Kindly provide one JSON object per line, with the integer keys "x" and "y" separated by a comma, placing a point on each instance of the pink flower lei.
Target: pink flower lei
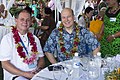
{"x": 19, "y": 47}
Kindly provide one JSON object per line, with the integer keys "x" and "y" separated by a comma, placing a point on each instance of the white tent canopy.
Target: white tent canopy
{"x": 76, "y": 5}
{"x": 7, "y": 3}
{"x": 9, "y": 21}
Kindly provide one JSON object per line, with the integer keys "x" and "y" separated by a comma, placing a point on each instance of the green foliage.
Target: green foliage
{"x": 14, "y": 10}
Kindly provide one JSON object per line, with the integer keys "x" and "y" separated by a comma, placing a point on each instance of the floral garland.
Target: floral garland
{"x": 75, "y": 43}
{"x": 114, "y": 75}
{"x": 19, "y": 47}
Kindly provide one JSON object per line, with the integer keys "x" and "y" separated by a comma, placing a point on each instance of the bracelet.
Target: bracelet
{"x": 113, "y": 36}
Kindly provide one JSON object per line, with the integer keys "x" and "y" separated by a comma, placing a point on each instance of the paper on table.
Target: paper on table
{"x": 117, "y": 58}
{"x": 45, "y": 74}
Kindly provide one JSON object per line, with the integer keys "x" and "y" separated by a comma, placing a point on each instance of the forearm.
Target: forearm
{"x": 13, "y": 70}
{"x": 6, "y": 13}
{"x": 96, "y": 50}
{"x": 44, "y": 27}
{"x": 50, "y": 57}
{"x": 41, "y": 63}
{"x": 116, "y": 35}
{"x": 102, "y": 29}
{"x": 113, "y": 36}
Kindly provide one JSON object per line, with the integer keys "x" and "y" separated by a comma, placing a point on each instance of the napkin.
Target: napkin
{"x": 117, "y": 58}
{"x": 48, "y": 75}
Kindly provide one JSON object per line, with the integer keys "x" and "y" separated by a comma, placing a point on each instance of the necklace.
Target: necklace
{"x": 76, "y": 41}
{"x": 26, "y": 59}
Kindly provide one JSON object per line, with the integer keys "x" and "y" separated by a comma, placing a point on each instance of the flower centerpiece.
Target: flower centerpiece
{"x": 76, "y": 41}
{"x": 26, "y": 59}
{"x": 114, "y": 75}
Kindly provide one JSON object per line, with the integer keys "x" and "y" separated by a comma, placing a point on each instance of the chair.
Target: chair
{"x": 1, "y": 72}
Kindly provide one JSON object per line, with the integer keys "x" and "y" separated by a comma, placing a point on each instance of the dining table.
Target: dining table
{"x": 47, "y": 74}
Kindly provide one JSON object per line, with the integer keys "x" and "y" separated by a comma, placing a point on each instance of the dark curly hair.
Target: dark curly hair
{"x": 48, "y": 10}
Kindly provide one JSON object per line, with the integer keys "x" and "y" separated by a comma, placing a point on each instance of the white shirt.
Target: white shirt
{"x": 8, "y": 51}
{"x": 3, "y": 31}
{"x": 81, "y": 21}
{"x": 8, "y": 21}
{"x": 51, "y": 4}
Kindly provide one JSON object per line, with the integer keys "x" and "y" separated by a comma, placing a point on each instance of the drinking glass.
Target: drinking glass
{"x": 68, "y": 69}
{"x": 104, "y": 67}
{"x": 84, "y": 60}
{"x": 84, "y": 66}
{"x": 93, "y": 70}
{"x": 57, "y": 72}
{"x": 110, "y": 60}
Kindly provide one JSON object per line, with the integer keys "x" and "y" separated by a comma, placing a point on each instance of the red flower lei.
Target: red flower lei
{"x": 20, "y": 47}
{"x": 75, "y": 43}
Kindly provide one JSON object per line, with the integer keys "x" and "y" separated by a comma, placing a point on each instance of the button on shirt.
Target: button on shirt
{"x": 24, "y": 38}
{"x": 86, "y": 38}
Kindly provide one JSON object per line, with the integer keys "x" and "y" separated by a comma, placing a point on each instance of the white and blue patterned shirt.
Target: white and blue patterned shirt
{"x": 87, "y": 43}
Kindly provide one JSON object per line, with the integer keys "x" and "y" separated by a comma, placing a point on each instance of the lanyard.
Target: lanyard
{"x": 24, "y": 45}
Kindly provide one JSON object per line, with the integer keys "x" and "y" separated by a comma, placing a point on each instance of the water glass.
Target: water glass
{"x": 84, "y": 60}
{"x": 93, "y": 73}
{"x": 57, "y": 72}
{"x": 93, "y": 70}
{"x": 104, "y": 67}
{"x": 68, "y": 69}
{"x": 110, "y": 60}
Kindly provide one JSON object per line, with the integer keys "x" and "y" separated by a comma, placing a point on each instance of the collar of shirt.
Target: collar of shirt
{"x": 24, "y": 37}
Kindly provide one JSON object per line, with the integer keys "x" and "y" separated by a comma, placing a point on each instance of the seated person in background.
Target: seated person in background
{"x": 96, "y": 26}
{"x": 3, "y": 14}
{"x": 21, "y": 54}
{"x": 69, "y": 38}
{"x": 6, "y": 18}
{"x": 47, "y": 25}
{"x": 85, "y": 19}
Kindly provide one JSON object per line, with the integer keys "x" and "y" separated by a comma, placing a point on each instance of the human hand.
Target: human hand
{"x": 110, "y": 38}
{"x": 98, "y": 36}
{"x": 36, "y": 70}
{"x": 46, "y": 27}
{"x": 29, "y": 74}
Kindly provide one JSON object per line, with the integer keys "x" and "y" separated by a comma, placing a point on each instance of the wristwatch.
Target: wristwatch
{"x": 113, "y": 36}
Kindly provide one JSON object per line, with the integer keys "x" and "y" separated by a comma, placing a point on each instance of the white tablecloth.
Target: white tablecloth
{"x": 45, "y": 74}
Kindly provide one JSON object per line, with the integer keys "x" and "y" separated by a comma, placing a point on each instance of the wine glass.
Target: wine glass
{"x": 84, "y": 66}
{"x": 110, "y": 60}
{"x": 104, "y": 67}
{"x": 84, "y": 59}
{"x": 57, "y": 72}
{"x": 68, "y": 69}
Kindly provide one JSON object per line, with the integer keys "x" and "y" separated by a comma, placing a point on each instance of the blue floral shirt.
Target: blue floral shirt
{"x": 87, "y": 43}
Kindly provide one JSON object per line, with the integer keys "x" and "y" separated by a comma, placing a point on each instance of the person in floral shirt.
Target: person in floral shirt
{"x": 69, "y": 38}
{"x": 21, "y": 54}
